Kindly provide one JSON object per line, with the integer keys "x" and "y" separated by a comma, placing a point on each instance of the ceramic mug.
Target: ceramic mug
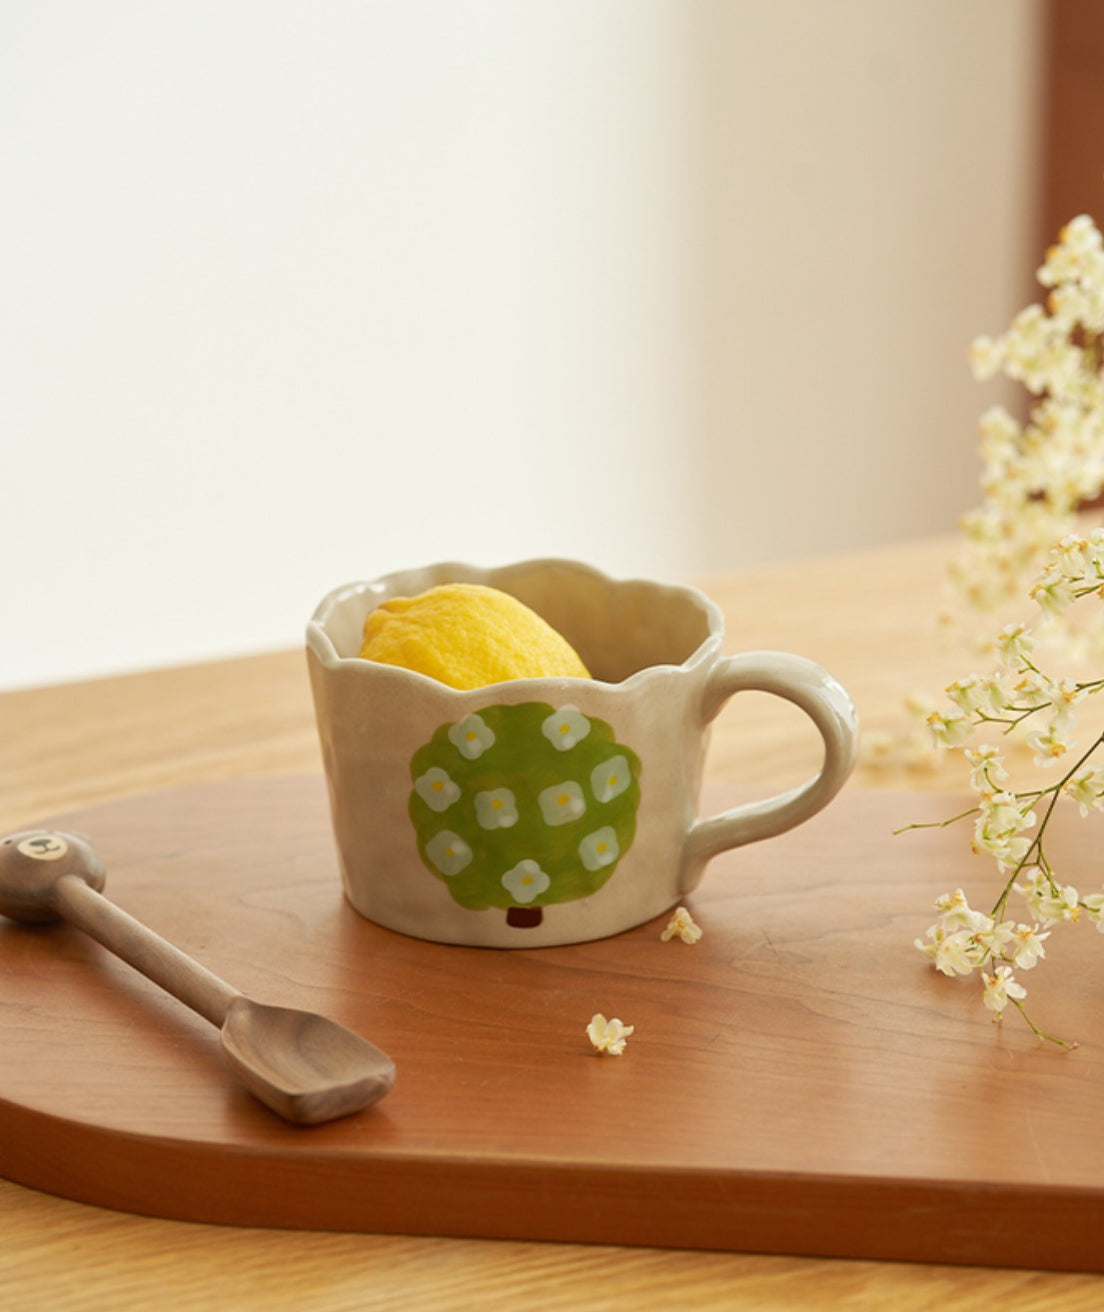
{"x": 554, "y": 810}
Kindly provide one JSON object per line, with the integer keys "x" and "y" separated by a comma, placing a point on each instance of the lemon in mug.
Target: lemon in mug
{"x": 468, "y": 635}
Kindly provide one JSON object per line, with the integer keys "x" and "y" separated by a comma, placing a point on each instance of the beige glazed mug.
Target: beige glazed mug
{"x": 546, "y": 811}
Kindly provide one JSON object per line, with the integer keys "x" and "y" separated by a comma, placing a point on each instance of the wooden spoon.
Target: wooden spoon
{"x": 305, "y": 1067}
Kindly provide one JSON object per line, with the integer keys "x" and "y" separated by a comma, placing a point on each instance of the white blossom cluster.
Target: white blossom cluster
{"x": 608, "y": 1035}
{"x": 1037, "y": 476}
{"x": 1010, "y": 825}
{"x": 682, "y": 925}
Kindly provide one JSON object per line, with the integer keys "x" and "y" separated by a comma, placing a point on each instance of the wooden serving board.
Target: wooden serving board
{"x": 799, "y": 1081}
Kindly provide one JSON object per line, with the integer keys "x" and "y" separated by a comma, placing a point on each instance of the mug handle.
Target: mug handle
{"x": 825, "y": 702}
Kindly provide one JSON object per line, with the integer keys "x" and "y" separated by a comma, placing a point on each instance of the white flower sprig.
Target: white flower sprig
{"x": 1011, "y": 824}
{"x": 1037, "y": 476}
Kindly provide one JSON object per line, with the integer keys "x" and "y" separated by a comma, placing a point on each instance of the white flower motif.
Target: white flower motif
{"x": 561, "y": 803}
{"x": 608, "y": 1035}
{"x": 611, "y": 778}
{"x": 986, "y": 357}
{"x": 963, "y": 939}
{"x": 448, "y": 852}
{"x": 956, "y": 913}
{"x": 1048, "y": 744}
{"x": 988, "y": 770}
{"x": 437, "y": 789}
{"x": 1027, "y": 946}
{"x": 1078, "y": 243}
{"x": 496, "y": 808}
{"x": 471, "y": 737}
{"x": 1071, "y": 557}
{"x": 1047, "y": 900}
{"x": 969, "y": 694}
{"x": 1094, "y": 905}
{"x": 1064, "y": 695}
{"x": 525, "y": 881}
{"x": 950, "y": 727}
{"x": 958, "y": 952}
{"x": 999, "y": 431}
{"x": 566, "y": 727}
{"x": 996, "y": 938}
{"x": 681, "y": 925}
{"x": 1000, "y": 988}
{"x": 1033, "y": 690}
{"x": 998, "y": 826}
{"x": 1052, "y": 591}
{"x": 600, "y": 848}
{"x": 1014, "y": 645}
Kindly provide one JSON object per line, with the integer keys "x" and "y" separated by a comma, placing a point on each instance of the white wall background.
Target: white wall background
{"x": 293, "y": 293}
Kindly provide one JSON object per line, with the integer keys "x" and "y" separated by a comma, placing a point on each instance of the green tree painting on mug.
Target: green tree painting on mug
{"x": 520, "y": 807}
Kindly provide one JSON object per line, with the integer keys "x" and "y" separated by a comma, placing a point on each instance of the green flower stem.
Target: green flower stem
{"x": 1068, "y": 1044}
{"x": 1013, "y": 721}
{"x": 1036, "y": 847}
{"x": 938, "y": 824}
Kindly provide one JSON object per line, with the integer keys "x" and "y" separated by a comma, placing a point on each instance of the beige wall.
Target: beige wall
{"x": 297, "y": 293}
{"x": 870, "y": 210}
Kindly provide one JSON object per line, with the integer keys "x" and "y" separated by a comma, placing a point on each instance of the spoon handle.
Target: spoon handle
{"x": 140, "y": 947}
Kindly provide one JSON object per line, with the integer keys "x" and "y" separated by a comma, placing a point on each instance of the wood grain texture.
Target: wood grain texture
{"x": 867, "y": 616}
{"x": 799, "y": 1082}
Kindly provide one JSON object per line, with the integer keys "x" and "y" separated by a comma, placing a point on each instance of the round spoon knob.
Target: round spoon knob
{"x": 32, "y": 862}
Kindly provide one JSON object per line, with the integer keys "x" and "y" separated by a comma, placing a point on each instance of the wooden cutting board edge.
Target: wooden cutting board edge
{"x": 951, "y": 1222}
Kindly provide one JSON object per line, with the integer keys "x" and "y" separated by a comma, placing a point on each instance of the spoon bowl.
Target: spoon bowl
{"x": 304, "y": 1066}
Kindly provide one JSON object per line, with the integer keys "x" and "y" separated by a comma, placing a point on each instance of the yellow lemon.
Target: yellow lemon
{"x": 468, "y": 635}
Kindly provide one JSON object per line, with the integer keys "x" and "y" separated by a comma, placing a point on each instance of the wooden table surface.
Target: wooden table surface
{"x": 867, "y": 617}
